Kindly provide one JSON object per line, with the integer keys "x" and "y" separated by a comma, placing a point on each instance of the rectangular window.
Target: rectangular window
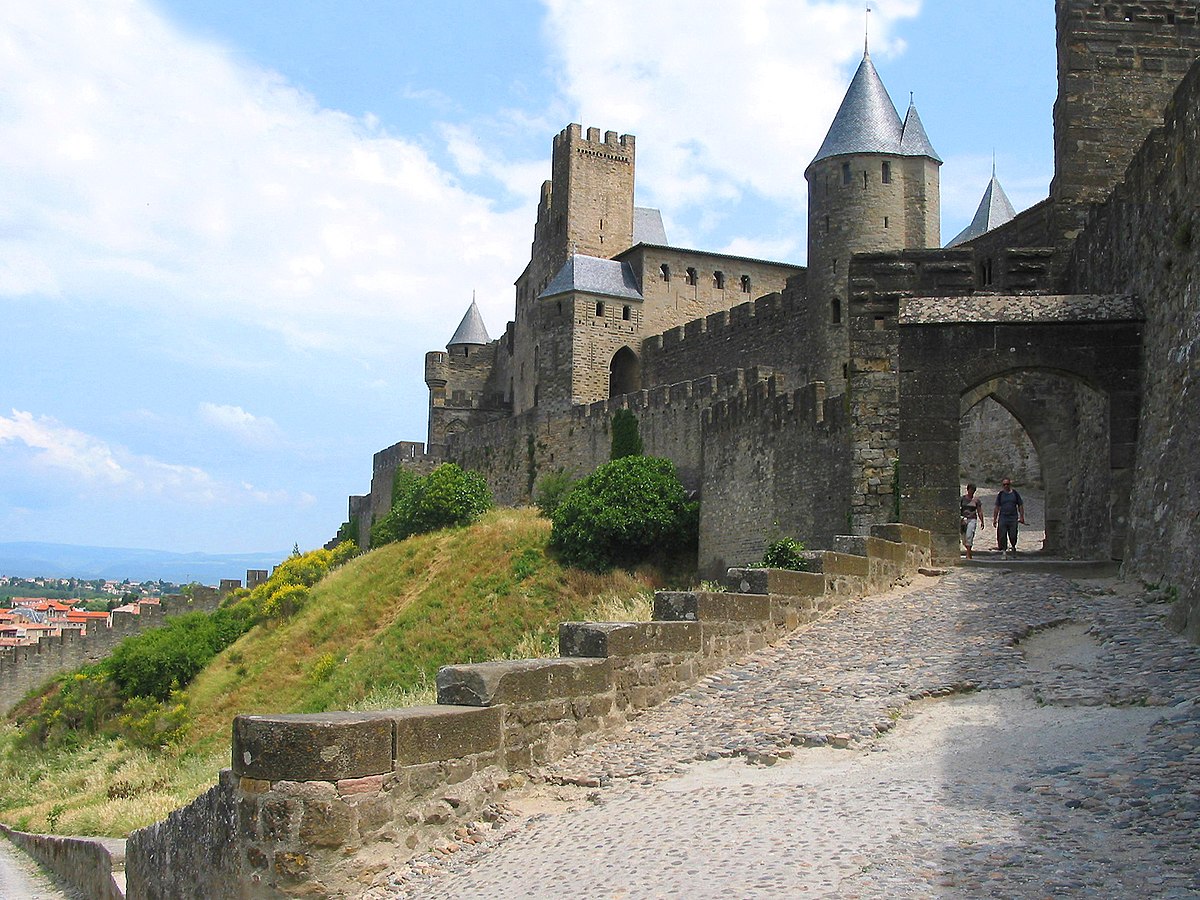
{"x": 599, "y": 309}
{"x": 887, "y": 173}
{"x": 846, "y": 173}
{"x": 625, "y": 314}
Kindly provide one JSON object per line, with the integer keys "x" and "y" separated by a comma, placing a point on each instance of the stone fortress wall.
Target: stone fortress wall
{"x": 1111, "y": 56}
{"x": 23, "y": 669}
{"x": 1145, "y": 240}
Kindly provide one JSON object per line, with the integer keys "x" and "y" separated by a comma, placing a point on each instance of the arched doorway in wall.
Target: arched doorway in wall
{"x": 624, "y": 373}
{"x": 1049, "y": 432}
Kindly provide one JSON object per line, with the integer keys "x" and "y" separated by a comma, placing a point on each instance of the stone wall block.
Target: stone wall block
{"x": 320, "y": 747}
{"x": 605, "y": 639}
{"x": 521, "y": 681}
{"x": 425, "y": 734}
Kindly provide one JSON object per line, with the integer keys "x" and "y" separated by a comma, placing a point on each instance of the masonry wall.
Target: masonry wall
{"x": 1118, "y": 65}
{"x": 994, "y": 446}
{"x": 514, "y": 454}
{"x": 674, "y": 300}
{"x": 23, "y": 669}
{"x": 766, "y": 332}
{"x": 1146, "y": 240}
{"x": 776, "y": 464}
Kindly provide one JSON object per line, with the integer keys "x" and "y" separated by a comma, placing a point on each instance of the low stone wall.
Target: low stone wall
{"x": 307, "y": 793}
{"x": 24, "y": 668}
{"x": 95, "y": 867}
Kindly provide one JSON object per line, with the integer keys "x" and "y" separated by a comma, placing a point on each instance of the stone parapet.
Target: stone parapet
{"x": 307, "y": 792}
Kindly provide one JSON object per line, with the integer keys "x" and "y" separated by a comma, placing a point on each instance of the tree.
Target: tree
{"x": 448, "y": 496}
{"x": 623, "y": 513}
{"x": 625, "y": 438}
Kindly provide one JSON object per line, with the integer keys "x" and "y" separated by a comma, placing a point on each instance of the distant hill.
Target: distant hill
{"x": 28, "y": 559}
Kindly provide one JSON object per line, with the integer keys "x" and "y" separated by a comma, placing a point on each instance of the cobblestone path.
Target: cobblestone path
{"x": 990, "y": 734}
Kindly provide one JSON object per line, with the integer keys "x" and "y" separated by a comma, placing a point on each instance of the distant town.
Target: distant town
{"x": 33, "y": 608}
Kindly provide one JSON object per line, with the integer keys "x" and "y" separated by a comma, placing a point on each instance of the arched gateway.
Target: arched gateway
{"x": 1066, "y": 367}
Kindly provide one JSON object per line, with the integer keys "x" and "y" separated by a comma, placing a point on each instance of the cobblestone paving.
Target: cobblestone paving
{"x": 1062, "y": 760}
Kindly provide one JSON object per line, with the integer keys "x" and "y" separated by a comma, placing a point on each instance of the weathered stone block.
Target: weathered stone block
{"x": 430, "y": 733}
{"x": 522, "y": 681}
{"x": 691, "y": 606}
{"x": 606, "y": 639}
{"x": 775, "y": 581}
{"x": 320, "y": 747}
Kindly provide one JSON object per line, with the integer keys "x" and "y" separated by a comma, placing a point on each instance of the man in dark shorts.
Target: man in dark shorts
{"x": 1009, "y": 512}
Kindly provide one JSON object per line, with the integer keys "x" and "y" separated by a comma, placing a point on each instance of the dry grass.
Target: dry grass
{"x": 372, "y": 637}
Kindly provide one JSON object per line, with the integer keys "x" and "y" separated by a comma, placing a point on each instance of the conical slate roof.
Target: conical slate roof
{"x": 913, "y": 139}
{"x": 867, "y": 122}
{"x": 470, "y": 330}
{"x": 592, "y": 275}
{"x": 994, "y": 210}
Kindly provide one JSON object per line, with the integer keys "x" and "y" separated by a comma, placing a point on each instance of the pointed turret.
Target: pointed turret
{"x": 994, "y": 210}
{"x": 913, "y": 139}
{"x": 471, "y": 331}
{"x": 867, "y": 121}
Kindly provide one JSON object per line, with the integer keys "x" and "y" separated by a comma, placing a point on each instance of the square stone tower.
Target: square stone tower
{"x": 586, "y": 207}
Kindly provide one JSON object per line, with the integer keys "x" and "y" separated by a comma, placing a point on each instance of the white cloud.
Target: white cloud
{"x": 251, "y": 429}
{"x": 731, "y": 97}
{"x": 97, "y": 467}
{"x": 150, "y": 169}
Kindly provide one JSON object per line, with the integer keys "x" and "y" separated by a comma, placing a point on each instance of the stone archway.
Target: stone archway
{"x": 1068, "y": 423}
{"x": 624, "y": 373}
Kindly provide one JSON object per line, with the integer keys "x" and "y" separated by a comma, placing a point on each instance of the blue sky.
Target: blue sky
{"x": 230, "y": 231}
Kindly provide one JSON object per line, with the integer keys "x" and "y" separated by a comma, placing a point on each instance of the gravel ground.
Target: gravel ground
{"x": 991, "y": 733}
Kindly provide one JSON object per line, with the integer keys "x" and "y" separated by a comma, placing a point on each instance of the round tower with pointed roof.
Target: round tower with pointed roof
{"x": 873, "y": 186}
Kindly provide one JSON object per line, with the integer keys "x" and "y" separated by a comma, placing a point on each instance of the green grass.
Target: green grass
{"x": 372, "y": 636}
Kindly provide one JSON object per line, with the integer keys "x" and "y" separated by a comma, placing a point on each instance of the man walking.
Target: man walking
{"x": 1009, "y": 512}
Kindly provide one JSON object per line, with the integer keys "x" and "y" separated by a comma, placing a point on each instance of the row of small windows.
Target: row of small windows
{"x": 692, "y": 277}
{"x": 626, "y": 312}
{"x": 885, "y": 174}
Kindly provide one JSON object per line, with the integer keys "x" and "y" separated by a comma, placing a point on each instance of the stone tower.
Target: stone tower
{"x": 873, "y": 186}
{"x": 586, "y": 208}
{"x": 1118, "y": 65}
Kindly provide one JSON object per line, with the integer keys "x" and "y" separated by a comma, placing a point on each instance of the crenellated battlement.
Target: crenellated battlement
{"x": 767, "y": 401}
{"x": 721, "y": 323}
{"x": 618, "y": 149}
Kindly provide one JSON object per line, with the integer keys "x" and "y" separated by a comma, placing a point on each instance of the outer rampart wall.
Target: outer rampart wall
{"x": 24, "y": 668}
{"x": 307, "y": 792}
{"x": 1146, "y": 241}
{"x": 775, "y": 465}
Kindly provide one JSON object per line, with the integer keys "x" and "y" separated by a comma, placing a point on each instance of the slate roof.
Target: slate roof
{"x": 867, "y": 122}
{"x": 648, "y": 226}
{"x": 592, "y": 275}
{"x": 994, "y": 210}
{"x": 471, "y": 329}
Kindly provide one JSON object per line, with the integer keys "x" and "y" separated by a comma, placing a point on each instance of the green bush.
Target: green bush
{"x": 154, "y": 724}
{"x": 550, "y": 491}
{"x": 785, "y": 553}
{"x": 622, "y": 514}
{"x": 625, "y": 438}
{"x": 448, "y": 496}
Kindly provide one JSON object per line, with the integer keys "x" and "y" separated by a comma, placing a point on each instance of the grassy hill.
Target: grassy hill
{"x": 372, "y": 635}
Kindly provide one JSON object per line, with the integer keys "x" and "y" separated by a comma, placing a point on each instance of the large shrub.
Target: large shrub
{"x": 550, "y": 491}
{"x": 625, "y": 512}
{"x": 446, "y": 497}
